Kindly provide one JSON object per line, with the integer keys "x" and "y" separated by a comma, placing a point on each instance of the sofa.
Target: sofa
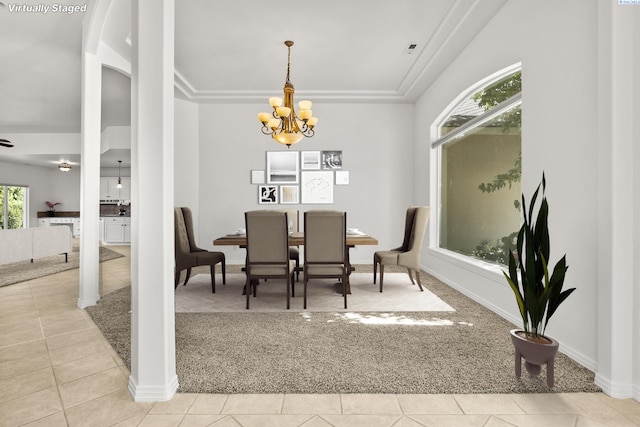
{"x": 32, "y": 243}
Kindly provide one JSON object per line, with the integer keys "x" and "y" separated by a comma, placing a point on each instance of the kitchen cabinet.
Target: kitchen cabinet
{"x": 71, "y": 222}
{"x": 117, "y": 230}
{"x": 109, "y": 188}
{"x": 76, "y": 227}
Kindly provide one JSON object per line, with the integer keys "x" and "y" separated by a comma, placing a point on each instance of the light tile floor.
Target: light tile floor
{"x": 56, "y": 369}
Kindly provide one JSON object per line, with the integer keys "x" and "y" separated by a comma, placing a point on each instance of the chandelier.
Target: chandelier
{"x": 64, "y": 167}
{"x": 283, "y": 124}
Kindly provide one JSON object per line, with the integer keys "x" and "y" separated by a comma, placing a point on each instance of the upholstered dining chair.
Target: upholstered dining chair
{"x": 407, "y": 255}
{"x": 268, "y": 250}
{"x": 188, "y": 254}
{"x": 293, "y": 216}
{"x": 325, "y": 248}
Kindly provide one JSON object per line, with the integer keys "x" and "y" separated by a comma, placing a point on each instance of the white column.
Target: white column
{"x": 615, "y": 201}
{"x": 89, "y": 293}
{"x": 153, "y": 370}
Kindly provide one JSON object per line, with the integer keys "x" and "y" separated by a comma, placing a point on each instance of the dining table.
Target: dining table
{"x": 296, "y": 238}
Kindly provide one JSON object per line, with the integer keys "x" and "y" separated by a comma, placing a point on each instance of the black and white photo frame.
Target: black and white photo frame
{"x": 268, "y": 194}
{"x": 310, "y": 160}
{"x": 332, "y": 159}
{"x": 283, "y": 167}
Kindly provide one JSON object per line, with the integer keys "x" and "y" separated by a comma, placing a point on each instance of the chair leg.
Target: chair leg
{"x": 381, "y": 275}
{"x": 298, "y": 269}
{"x": 213, "y": 278}
{"x": 410, "y": 273}
{"x": 177, "y": 278}
{"x": 305, "y": 279}
{"x": 187, "y": 278}
{"x": 289, "y": 283}
{"x": 375, "y": 269}
{"x": 418, "y": 280}
{"x": 247, "y": 287}
{"x": 293, "y": 284}
{"x": 345, "y": 285}
{"x": 224, "y": 272}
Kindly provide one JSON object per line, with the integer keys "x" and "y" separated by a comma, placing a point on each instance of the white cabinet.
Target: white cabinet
{"x": 71, "y": 222}
{"x": 117, "y": 229}
{"x": 76, "y": 227}
{"x": 109, "y": 188}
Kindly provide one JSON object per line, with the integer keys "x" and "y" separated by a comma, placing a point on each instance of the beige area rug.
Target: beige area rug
{"x": 22, "y": 271}
{"x": 322, "y": 295}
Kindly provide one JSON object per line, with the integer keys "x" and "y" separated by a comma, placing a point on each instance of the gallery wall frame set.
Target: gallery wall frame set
{"x": 293, "y": 177}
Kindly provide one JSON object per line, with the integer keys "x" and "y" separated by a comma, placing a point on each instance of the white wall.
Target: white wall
{"x": 558, "y": 137}
{"x": 376, "y": 143}
{"x": 186, "y": 164}
{"x": 45, "y": 184}
{"x": 580, "y": 99}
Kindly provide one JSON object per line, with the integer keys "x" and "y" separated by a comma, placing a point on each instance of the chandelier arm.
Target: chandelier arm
{"x": 266, "y": 130}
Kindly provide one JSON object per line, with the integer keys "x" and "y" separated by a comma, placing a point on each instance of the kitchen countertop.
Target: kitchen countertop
{"x": 63, "y": 214}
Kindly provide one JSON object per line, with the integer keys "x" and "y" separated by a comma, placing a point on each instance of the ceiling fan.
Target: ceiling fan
{"x": 5, "y": 143}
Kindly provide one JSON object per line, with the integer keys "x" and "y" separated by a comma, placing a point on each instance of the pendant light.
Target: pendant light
{"x": 119, "y": 178}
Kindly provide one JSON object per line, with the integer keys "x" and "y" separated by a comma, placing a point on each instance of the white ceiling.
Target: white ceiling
{"x": 233, "y": 51}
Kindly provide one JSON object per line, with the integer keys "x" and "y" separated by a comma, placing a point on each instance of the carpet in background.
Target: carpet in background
{"x": 322, "y": 295}
{"x": 22, "y": 271}
{"x": 468, "y": 350}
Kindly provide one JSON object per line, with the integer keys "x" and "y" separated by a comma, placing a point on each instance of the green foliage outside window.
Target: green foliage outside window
{"x": 15, "y": 207}
{"x": 488, "y": 98}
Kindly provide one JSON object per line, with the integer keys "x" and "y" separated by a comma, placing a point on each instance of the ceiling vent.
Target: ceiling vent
{"x": 411, "y": 48}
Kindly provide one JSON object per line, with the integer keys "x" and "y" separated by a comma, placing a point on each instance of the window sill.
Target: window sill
{"x": 493, "y": 272}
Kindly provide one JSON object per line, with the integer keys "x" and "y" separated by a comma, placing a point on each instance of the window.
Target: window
{"x": 13, "y": 207}
{"x": 480, "y": 165}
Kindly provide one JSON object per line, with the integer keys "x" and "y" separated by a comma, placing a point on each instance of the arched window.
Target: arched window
{"x": 480, "y": 167}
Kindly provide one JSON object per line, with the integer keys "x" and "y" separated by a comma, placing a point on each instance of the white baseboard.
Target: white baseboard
{"x": 153, "y": 393}
{"x": 577, "y": 356}
{"x": 619, "y": 391}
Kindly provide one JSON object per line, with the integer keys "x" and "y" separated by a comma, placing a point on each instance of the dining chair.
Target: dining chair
{"x": 188, "y": 254}
{"x": 267, "y": 250}
{"x": 293, "y": 216}
{"x": 407, "y": 255}
{"x": 325, "y": 248}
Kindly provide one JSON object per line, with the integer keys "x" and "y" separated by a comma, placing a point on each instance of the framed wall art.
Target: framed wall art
{"x": 317, "y": 186}
{"x": 268, "y": 194}
{"x": 282, "y": 167}
{"x": 342, "y": 177}
{"x": 310, "y": 159}
{"x": 257, "y": 176}
{"x": 289, "y": 194}
{"x": 332, "y": 160}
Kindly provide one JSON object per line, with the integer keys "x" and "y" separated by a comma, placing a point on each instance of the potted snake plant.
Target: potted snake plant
{"x": 538, "y": 291}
